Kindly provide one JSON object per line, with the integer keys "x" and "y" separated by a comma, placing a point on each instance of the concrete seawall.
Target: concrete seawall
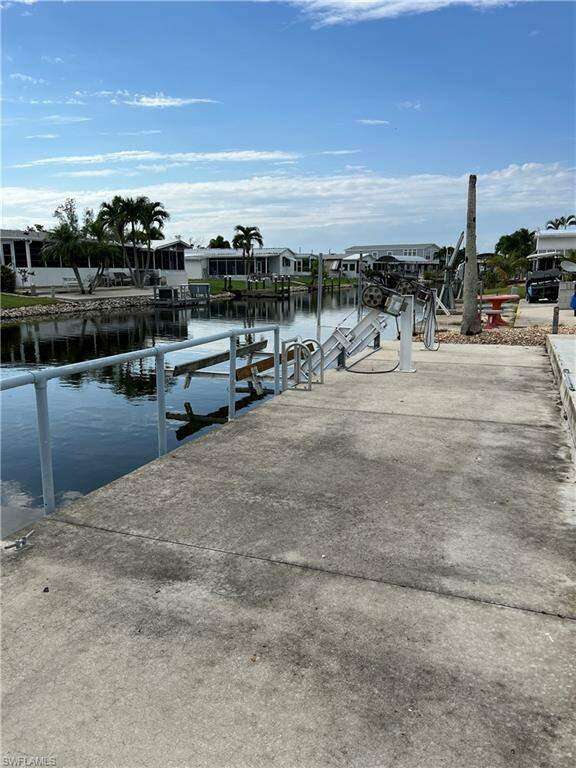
{"x": 377, "y": 573}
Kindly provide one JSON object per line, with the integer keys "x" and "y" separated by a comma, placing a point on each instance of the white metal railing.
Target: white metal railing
{"x": 41, "y": 377}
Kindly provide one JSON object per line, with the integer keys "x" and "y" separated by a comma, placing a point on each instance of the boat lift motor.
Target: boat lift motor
{"x": 391, "y": 292}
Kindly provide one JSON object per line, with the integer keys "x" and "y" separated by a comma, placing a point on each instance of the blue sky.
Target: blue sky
{"x": 325, "y": 122}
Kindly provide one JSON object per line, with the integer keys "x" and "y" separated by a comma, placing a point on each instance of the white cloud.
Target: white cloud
{"x": 132, "y": 155}
{"x": 64, "y": 119}
{"x": 370, "y": 121}
{"x": 138, "y": 133}
{"x": 26, "y": 100}
{"x": 96, "y": 172}
{"x": 331, "y": 12}
{"x": 345, "y": 206}
{"x": 356, "y": 168}
{"x": 52, "y": 59}
{"x": 43, "y": 136}
{"x": 27, "y": 79}
{"x": 410, "y": 105}
{"x": 338, "y": 152}
{"x": 159, "y": 100}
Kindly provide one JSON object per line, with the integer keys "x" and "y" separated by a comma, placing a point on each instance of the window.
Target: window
{"x": 285, "y": 262}
{"x": 36, "y": 259}
{"x": 20, "y": 253}
{"x": 7, "y": 253}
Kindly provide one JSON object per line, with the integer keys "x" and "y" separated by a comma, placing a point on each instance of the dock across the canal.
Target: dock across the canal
{"x": 379, "y": 572}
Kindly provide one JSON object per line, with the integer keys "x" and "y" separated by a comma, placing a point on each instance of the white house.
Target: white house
{"x": 226, "y": 262}
{"x": 558, "y": 241}
{"x": 412, "y": 257}
{"x": 22, "y": 250}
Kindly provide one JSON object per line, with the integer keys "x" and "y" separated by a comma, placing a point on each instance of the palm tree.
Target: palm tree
{"x": 219, "y": 242}
{"x": 99, "y": 241}
{"x": 134, "y": 210}
{"x": 66, "y": 243}
{"x": 152, "y": 218}
{"x": 113, "y": 216}
{"x": 245, "y": 238}
{"x": 562, "y": 222}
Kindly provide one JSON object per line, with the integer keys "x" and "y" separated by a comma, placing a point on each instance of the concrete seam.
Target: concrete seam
{"x": 317, "y": 569}
{"x": 417, "y": 416}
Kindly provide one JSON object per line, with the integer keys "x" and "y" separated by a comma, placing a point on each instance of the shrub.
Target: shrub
{"x": 7, "y": 279}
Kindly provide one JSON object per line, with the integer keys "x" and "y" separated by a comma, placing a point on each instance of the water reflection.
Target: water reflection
{"x": 103, "y": 422}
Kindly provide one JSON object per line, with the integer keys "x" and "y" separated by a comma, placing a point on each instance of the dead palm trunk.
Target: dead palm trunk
{"x": 471, "y": 324}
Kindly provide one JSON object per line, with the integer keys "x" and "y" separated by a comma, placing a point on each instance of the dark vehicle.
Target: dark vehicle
{"x": 543, "y": 278}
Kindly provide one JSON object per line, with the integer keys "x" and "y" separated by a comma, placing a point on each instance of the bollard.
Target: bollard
{"x": 555, "y": 318}
{"x": 406, "y": 333}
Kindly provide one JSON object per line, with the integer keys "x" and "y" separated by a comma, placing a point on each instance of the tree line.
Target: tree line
{"x": 126, "y": 226}
{"x": 123, "y": 222}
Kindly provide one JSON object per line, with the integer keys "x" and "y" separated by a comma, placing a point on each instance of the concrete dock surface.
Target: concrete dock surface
{"x": 377, "y": 574}
{"x": 541, "y": 314}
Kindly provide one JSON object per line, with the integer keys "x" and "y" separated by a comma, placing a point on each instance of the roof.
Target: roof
{"x": 389, "y": 246}
{"x": 171, "y": 244}
{"x": 405, "y": 260}
{"x": 193, "y": 254}
{"x": 568, "y": 232}
{"x": 20, "y": 234}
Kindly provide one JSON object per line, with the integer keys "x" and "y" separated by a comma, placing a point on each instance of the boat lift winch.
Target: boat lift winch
{"x": 383, "y": 296}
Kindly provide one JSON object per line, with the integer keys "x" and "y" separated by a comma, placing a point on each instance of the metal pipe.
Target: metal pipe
{"x": 285, "y": 342}
{"x": 406, "y": 332}
{"x": 41, "y": 377}
{"x": 321, "y": 355}
{"x": 232, "y": 380}
{"x": 161, "y": 403}
{"x": 45, "y": 446}
{"x": 319, "y": 299}
{"x": 298, "y": 347}
{"x": 359, "y": 288}
{"x": 102, "y": 362}
{"x": 277, "y": 388}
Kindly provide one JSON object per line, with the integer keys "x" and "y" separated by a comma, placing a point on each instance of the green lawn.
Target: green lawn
{"x": 520, "y": 289}
{"x": 217, "y": 285}
{"x": 327, "y": 281}
{"x": 11, "y": 301}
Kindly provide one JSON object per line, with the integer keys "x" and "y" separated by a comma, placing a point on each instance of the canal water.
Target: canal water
{"x": 103, "y": 422}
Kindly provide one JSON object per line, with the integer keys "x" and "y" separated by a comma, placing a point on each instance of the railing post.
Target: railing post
{"x": 319, "y": 299}
{"x": 161, "y": 402}
{"x": 406, "y": 332}
{"x": 45, "y": 446}
{"x": 232, "y": 380}
{"x": 277, "y": 388}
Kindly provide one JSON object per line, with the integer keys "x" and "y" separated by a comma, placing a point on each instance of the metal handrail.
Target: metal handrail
{"x": 299, "y": 347}
{"x": 319, "y": 349}
{"x": 285, "y": 343}
{"x": 40, "y": 378}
